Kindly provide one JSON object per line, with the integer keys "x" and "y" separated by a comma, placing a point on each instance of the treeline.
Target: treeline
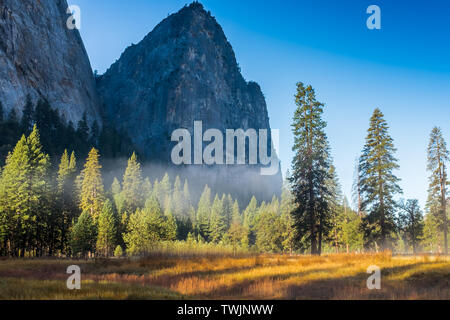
{"x": 385, "y": 223}
{"x": 62, "y": 208}
{"x": 57, "y": 134}
{"x": 64, "y": 212}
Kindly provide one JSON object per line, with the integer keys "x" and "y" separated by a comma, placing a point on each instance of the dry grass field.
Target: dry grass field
{"x": 228, "y": 277}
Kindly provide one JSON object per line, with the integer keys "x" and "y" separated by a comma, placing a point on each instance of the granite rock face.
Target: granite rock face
{"x": 42, "y": 58}
{"x": 185, "y": 70}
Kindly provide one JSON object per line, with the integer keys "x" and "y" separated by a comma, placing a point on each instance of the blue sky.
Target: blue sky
{"x": 403, "y": 69}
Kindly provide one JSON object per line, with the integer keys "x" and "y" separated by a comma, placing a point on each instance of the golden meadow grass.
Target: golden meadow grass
{"x": 161, "y": 276}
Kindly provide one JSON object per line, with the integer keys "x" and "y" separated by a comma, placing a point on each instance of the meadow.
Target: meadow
{"x": 173, "y": 276}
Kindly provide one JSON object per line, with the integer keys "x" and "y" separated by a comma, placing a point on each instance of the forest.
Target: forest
{"x": 53, "y": 204}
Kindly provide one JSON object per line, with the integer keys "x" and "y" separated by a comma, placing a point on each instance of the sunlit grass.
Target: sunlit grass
{"x": 230, "y": 277}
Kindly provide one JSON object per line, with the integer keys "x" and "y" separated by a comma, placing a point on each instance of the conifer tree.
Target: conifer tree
{"x": 107, "y": 230}
{"x": 411, "y": 222}
{"x": 118, "y": 196}
{"x": 24, "y": 194}
{"x": 146, "y": 188}
{"x": 218, "y": 221}
{"x": 335, "y": 208}
{"x": 92, "y": 190}
{"x": 145, "y": 228}
{"x": 132, "y": 185}
{"x": 310, "y": 168}
{"x": 379, "y": 185}
{"x": 204, "y": 213}
{"x": 178, "y": 199}
{"x": 250, "y": 214}
{"x": 164, "y": 190}
{"x": 171, "y": 228}
{"x": 438, "y": 155}
{"x": 65, "y": 190}
{"x": 83, "y": 235}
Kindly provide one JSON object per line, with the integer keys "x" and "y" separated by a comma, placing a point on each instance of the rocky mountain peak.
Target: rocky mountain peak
{"x": 185, "y": 70}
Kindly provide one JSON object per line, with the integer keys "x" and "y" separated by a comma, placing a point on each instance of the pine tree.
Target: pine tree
{"x": 411, "y": 222}
{"x": 334, "y": 205}
{"x": 107, "y": 230}
{"x": 145, "y": 228}
{"x": 118, "y": 196}
{"x": 178, "y": 199}
{"x": 65, "y": 190}
{"x": 250, "y": 220}
{"x": 204, "y": 213}
{"x": 132, "y": 185}
{"x": 164, "y": 190}
{"x": 432, "y": 235}
{"x": 379, "y": 185}
{"x": 310, "y": 168}
{"x": 24, "y": 194}
{"x": 83, "y": 235}
{"x": 92, "y": 190}
{"x": 438, "y": 155}
{"x": 171, "y": 228}
{"x": 218, "y": 221}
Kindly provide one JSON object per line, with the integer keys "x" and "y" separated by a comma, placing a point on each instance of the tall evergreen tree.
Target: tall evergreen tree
{"x": 379, "y": 185}
{"x": 204, "y": 213}
{"x": 132, "y": 185}
{"x": 438, "y": 155}
{"x": 107, "y": 230}
{"x": 65, "y": 195}
{"x": 24, "y": 195}
{"x": 218, "y": 221}
{"x": 310, "y": 168}
{"x": 92, "y": 190}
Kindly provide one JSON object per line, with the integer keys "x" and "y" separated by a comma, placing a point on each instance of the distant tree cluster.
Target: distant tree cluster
{"x": 381, "y": 222}
{"x": 57, "y": 134}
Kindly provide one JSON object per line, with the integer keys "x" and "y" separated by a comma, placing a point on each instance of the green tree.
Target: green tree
{"x": 145, "y": 228}
{"x": 24, "y": 193}
{"x": 438, "y": 155}
{"x": 133, "y": 185}
{"x": 218, "y": 221}
{"x": 107, "y": 230}
{"x": 83, "y": 235}
{"x": 92, "y": 190}
{"x": 411, "y": 222}
{"x": 379, "y": 185}
{"x": 204, "y": 213}
{"x": 310, "y": 168}
{"x": 68, "y": 209}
